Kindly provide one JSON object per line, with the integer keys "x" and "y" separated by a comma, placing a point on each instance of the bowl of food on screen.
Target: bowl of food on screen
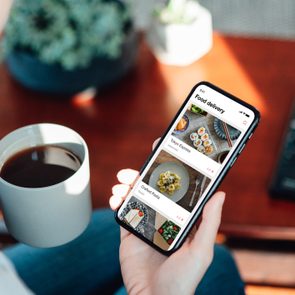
{"x": 182, "y": 125}
{"x": 197, "y": 110}
{"x": 169, "y": 230}
{"x": 135, "y": 214}
{"x": 221, "y": 156}
{"x": 222, "y": 130}
{"x": 170, "y": 179}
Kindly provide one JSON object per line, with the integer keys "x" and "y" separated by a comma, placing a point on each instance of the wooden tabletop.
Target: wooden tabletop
{"x": 121, "y": 123}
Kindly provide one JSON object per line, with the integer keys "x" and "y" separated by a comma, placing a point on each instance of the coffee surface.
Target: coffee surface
{"x": 40, "y": 166}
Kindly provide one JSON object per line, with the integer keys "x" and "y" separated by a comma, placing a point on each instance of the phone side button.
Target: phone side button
{"x": 241, "y": 149}
{"x": 234, "y": 160}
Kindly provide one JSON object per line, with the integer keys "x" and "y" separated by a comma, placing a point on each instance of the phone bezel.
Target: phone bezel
{"x": 219, "y": 178}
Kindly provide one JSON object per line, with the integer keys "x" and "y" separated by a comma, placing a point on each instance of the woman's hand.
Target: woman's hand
{"x": 146, "y": 271}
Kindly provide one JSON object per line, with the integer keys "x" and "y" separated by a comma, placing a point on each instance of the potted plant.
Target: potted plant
{"x": 180, "y": 32}
{"x": 66, "y": 46}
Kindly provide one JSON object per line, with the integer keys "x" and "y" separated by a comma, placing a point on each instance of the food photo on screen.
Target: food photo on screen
{"x": 150, "y": 223}
{"x": 176, "y": 180}
{"x": 206, "y": 133}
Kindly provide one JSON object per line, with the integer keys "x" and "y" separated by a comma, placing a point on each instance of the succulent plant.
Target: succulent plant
{"x": 67, "y": 32}
{"x": 176, "y": 11}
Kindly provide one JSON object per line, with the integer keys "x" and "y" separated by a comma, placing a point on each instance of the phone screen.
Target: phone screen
{"x": 199, "y": 145}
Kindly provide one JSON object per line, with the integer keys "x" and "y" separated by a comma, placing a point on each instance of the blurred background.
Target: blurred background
{"x": 117, "y": 72}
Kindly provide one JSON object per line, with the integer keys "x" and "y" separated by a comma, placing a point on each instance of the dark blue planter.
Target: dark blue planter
{"x": 102, "y": 72}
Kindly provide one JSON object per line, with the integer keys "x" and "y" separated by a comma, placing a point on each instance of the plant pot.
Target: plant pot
{"x": 179, "y": 43}
{"x": 102, "y": 72}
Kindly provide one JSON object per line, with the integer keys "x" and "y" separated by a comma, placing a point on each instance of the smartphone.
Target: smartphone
{"x": 201, "y": 144}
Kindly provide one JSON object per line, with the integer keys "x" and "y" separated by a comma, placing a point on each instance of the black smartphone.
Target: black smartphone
{"x": 201, "y": 144}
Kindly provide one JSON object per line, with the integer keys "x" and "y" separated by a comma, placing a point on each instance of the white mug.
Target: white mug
{"x": 52, "y": 215}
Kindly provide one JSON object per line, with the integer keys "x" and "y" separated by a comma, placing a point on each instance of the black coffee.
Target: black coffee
{"x": 40, "y": 166}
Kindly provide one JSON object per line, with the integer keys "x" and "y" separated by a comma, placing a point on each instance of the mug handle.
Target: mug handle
{"x": 3, "y": 228}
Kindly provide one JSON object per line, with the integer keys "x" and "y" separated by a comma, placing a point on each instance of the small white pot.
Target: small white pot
{"x": 181, "y": 44}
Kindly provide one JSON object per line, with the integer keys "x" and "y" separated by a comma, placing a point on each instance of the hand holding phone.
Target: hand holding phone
{"x": 201, "y": 144}
{"x": 143, "y": 268}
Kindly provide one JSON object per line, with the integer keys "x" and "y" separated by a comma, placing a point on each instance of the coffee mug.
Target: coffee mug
{"x": 49, "y": 215}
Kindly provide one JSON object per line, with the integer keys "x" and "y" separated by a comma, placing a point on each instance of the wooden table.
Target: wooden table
{"x": 121, "y": 123}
